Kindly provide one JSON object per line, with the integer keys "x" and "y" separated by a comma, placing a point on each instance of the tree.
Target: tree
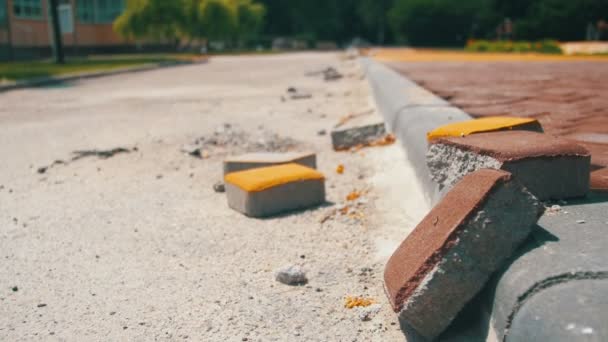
{"x": 153, "y": 19}
{"x": 374, "y": 14}
{"x": 435, "y": 22}
{"x": 191, "y": 19}
{"x": 249, "y": 18}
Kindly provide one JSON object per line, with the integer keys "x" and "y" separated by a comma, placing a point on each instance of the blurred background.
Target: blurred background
{"x": 34, "y": 29}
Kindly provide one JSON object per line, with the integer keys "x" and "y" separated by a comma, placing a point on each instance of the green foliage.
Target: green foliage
{"x": 544, "y": 46}
{"x": 191, "y": 19}
{"x": 434, "y": 22}
{"x": 418, "y": 22}
{"x": 157, "y": 19}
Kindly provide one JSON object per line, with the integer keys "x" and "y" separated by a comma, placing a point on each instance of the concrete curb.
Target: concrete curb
{"x": 45, "y": 81}
{"x": 566, "y": 249}
{"x": 410, "y": 111}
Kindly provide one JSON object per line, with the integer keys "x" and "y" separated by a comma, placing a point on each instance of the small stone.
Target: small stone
{"x": 192, "y": 150}
{"x": 15, "y": 289}
{"x": 581, "y": 221}
{"x": 42, "y": 170}
{"x": 291, "y": 275}
{"x": 367, "y": 313}
{"x": 322, "y": 132}
{"x": 219, "y": 187}
{"x": 41, "y": 305}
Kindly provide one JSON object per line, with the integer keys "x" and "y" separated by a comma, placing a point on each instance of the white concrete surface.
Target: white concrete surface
{"x": 139, "y": 247}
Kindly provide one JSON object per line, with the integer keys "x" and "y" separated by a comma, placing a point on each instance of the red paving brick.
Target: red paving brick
{"x": 570, "y": 99}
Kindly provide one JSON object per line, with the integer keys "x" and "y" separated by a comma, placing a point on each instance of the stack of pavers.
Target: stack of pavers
{"x": 494, "y": 172}
{"x": 266, "y": 184}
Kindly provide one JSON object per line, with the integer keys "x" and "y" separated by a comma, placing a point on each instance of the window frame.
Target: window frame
{"x": 91, "y": 12}
{"x": 32, "y": 4}
{"x": 3, "y": 12}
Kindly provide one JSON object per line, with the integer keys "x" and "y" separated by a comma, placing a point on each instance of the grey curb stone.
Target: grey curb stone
{"x": 559, "y": 247}
{"x": 409, "y": 112}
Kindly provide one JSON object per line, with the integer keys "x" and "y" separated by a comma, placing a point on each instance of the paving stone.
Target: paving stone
{"x": 358, "y": 131}
{"x": 264, "y": 159}
{"x": 557, "y": 278}
{"x": 577, "y": 320}
{"x": 550, "y": 167}
{"x": 487, "y": 124}
{"x": 599, "y": 180}
{"x": 451, "y": 254}
{"x": 569, "y": 99}
{"x": 274, "y": 190}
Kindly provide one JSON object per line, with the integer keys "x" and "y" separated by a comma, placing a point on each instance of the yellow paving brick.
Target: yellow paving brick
{"x": 261, "y": 179}
{"x": 488, "y": 124}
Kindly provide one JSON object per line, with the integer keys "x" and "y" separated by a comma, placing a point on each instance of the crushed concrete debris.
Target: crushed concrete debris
{"x": 553, "y": 210}
{"x": 219, "y": 187}
{"x": 230, "y": 139}
{"x": 297, "y": 94}
{"x": 331, "y": 74}
{"x": 386, "y": 140}
{"x": 355, "y": 302}
{"x": 291, "y": 275}
{"x": 366, "y": 314}
{"x": 102, "y": 154}
{"x": 195, "y": 151}
{"x": 353, "y": 195}
{"x": 80, "y": 154}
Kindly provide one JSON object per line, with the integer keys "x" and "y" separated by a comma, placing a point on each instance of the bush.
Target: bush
{"x": 544, "y": 46}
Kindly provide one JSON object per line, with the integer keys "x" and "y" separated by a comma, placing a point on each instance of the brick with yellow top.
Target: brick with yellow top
{"x": 484, "y": 125}
{"x": 273, "y": 190}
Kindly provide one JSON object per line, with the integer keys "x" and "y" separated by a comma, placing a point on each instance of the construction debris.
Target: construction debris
{"x": 354, "y": 302}
{"x": 80, "y": 154}
{"x": 291, "y": 275}
{"x": 274, "y": 190}
{"x": 358, "y": 131}
{"x": 340, "y": 169}
{"x": 451, "y": 254}
{"x": 550, "y": 167}
{"x": 219, "y": 187}
{"x": 366, "y": 314}
{"x": 231, "y": 139}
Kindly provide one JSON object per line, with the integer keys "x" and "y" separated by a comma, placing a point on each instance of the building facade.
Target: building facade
{"x": 25, "y": 27}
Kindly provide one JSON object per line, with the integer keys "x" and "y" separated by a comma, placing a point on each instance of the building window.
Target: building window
{"x": 28, "y": 9}
{"x": 99, "y": 11}
{"x": 3, "y": 12}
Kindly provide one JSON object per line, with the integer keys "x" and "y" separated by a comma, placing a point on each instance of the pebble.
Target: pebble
{"x": 581, "y": 221}
{"x": 219, "y": 187}
{"x": 367, "y": 314}
{"x": 41, "y": 305}
{"x": 291, "y": 275}
{"x": 322, "y": 132}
